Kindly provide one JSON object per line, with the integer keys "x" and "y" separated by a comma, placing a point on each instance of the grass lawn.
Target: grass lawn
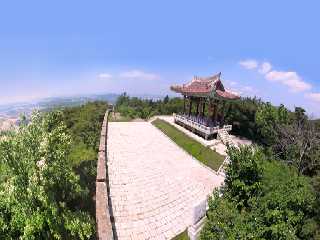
{"x": 193, "y": 147}
{"x": 182, "y": 236}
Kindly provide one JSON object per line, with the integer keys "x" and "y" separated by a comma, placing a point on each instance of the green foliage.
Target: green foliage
{"x": 298, "y": 144}
{"x": 316, "y": 187}
{"x": 262, "y": 199}
{"x": 286, "y": 207}
{"x": 38, "y": 188}
{"x": 241, "y": 114}
{"x": 267, "y": 119}
{"x": 225, "y": 222}
{"x": 243, "y": 181}
{"x": 132, "y": 107}
{"x": 81, "y": 152}
{"x": 48, "y": 170}
{"x": 193, "y": 147}
{"x": 291, "y": 136}
{"x": 84, "y": 125}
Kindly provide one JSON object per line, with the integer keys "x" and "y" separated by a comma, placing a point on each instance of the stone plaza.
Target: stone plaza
{"x": 155, "y": 186}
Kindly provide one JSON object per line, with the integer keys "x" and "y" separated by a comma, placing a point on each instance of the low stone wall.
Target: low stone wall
{"x": 104, "y": 218}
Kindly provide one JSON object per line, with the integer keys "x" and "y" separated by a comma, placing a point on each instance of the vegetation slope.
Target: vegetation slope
{"x": 47, "y": 175}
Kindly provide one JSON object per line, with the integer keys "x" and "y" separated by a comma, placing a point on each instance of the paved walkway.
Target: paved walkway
{"x": 154, "y": 185}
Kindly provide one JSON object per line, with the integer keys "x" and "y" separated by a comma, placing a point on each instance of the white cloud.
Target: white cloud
{"x": 230, "y": 83}
{"x": 105, "y": 75}
{"x": 140, "y": 75}
{"x": 249, "y": 64}
{"x": 289, "y": 79}
{"x": 265, "y": 67}
{"x": 233, "y": 83}
{"x": 313, "y": 96}
{"x": 248, "y": 89}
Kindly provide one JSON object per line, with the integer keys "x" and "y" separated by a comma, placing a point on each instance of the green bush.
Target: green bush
{"x": 262, "y": 199}
{"x": 38, "y": 188}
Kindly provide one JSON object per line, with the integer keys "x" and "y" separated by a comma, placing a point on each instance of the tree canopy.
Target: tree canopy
{"x": 38, "y": 188}
{"x": 262, "y": 199}
{"x": 47, "y": 174}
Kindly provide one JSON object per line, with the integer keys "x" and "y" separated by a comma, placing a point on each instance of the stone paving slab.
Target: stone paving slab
{"x": 154, "y": 184}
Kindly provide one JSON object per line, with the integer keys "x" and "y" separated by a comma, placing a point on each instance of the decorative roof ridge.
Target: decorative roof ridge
{"x": 213, "y": 78}
{"x": 205, "y": 86}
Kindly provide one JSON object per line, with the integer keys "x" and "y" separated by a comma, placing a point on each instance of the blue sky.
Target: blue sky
{"x": 264, "y": 48}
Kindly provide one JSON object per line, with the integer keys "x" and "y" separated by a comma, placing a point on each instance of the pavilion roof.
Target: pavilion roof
{"x": 205, "y": 87}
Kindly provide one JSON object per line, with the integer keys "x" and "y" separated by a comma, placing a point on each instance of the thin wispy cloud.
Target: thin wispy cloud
{"x": 248, "y": 91}
{"x": 265, "y": 67}
{"x": 139, "y": 75}
{"x": 313, "y": 96}
{"x": 249, "y": 64}
{"x": 248, "y": 88}
{"x": 129, "y": 75}
{"x": 105, "y": 75}
{"x": 244, "y": 90}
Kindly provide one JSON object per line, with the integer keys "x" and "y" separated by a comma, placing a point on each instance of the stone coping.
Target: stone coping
{"x": 105, "y": 229}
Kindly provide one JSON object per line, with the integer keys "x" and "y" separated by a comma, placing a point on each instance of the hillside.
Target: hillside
{"x": 50, "y": 162}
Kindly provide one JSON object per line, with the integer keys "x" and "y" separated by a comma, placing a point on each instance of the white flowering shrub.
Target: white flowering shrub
{"x": 39, "y": 191}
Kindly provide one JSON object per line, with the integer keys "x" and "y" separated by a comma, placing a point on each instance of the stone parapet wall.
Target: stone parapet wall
{"x": 105, "y": 225}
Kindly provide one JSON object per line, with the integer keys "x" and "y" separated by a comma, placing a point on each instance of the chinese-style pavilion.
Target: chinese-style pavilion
{"x": 203, "y": 91}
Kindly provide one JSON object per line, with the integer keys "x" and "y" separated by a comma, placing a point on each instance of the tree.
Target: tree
{"x": 267, "y": 117}
{"x": 262, "y": 199}
{"x": 244, "y": 174}
{"x": 166, "y": 99}
{"x": 224, "y": 221}
{"x": 298, "y": 144}
{"x": 241, "y": 115}
{"x": 38, "y": 188}
{"x": 299, "y": 115}
{"x": 133, "y": 107}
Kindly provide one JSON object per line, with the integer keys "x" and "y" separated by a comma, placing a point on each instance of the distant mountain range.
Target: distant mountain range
{"x": 12, "y": 111}
{"x": 15, "y": 109}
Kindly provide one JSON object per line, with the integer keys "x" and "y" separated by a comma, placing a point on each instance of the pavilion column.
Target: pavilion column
{"x": 222, "y": 112}
{"x": 211, "y": 111}
{"x": 184, "y": 104}
{"x": 203, "y": 107}
{"x": 198, "y": 103}
{"x": 190, "y": 105}
{"x": 215, "y": 112}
